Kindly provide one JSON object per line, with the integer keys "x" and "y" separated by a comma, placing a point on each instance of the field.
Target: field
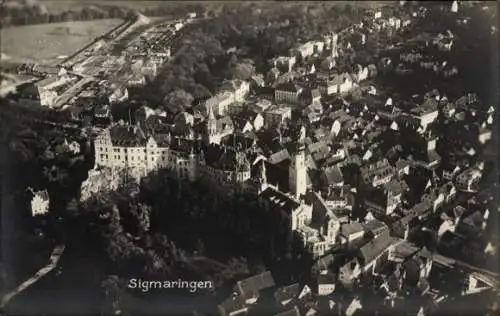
{"x": 44, "y": 43}
{"x": 64, "y": 5}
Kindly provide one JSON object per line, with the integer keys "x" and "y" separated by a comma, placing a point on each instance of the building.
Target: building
{"x": 378, "y": 173}
{"x": 385, "y": 199}
{"x": 287, "y": 93}
{"x": 239, "y": 89}
{"x": 225, "y": 168}
{"x": 245, "y": 294}
{"x": 277, "y": 115}
{"x": 49, "y": 89}
{"x": 298, "y": 170}
{"x": 40, "y": 202}
{"x": 216, "y": 129}
{"x": 122, "y": 147}
{"x": 367, "y": 258}
{"x": 339, "y": 84}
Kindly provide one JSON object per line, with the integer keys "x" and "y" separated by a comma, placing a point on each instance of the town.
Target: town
{"x": 369, "y": 190}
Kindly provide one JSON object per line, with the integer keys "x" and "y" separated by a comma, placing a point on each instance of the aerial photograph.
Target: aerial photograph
{"x": 249, "y": 158}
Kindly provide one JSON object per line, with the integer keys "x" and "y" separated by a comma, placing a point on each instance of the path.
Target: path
{"x": 51, "y": 265}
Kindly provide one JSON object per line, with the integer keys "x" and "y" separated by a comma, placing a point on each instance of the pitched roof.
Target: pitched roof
{"x": 290, "y": 87}
{"x": 333, "y": 175}
{"x": 287, "y": 292}
{"x": 351, "y": 228}
{"x": 375, "y": 247}
{"x": 233, "y": 303}
{"x": 127, "y": 136}
{"x": 279, "y": 156}
{"x": 250, "y": 287}
{"x": 291, "y": 312}
{"x": 280, "y": 199}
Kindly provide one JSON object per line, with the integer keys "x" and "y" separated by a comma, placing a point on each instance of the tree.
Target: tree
{"x": 178, "y": 100}
{"x": 113, "y": 291}
{"x": 243, "y": 71}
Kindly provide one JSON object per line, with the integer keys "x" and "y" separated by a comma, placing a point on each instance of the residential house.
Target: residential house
{"x": 285, "y": 295}
{"x": 469, "y": 178}
{"x": 246, "y": 292}
{"x": 361, "y": 73}
{"x": 40, "y": 203}
{"x": 239, "y": 89}
{"x": 368, "y": 257}
{"x": 277, "y": 115}
{"x": 326, "y": 284}
{"x": 378, "y": 173}
{"x": 385, "y": 199}
{"x": 350, "y": 232}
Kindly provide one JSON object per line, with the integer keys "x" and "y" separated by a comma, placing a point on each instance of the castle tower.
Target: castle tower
{"x": 298, "y": 171}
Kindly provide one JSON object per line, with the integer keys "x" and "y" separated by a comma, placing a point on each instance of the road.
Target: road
{"x": 51, "y": 265}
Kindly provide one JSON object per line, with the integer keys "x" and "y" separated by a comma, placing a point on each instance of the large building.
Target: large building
{"x": 127, "y": 148}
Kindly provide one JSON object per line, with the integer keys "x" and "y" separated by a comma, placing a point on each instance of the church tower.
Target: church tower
{"x": 335, "y": 38}
{"x": 298, "y": 171}
{"x": 211, "y": 126}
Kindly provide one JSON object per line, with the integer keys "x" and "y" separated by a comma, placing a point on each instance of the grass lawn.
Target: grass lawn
{"x": 45, "y": 42}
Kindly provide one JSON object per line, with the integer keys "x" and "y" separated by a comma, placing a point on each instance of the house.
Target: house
{"x": 350, "y": 232}
{"x": 137, "y": 80}
{"x": 40, "y": 202}
{"x": 238, "y": 88}
{"x": 361, "y": 73}
{"x": 378, "y": 173}
{"x": 284, "y": 62}
{"x": 326, "y": 284}
{"x": 225, "y": 167}
{"x": 277, "y": 115}
{"x": 328, "y": 63}
{"x": 291, "y": 312}
{"x": 45, "y": 89}
{"x": 287, "y": 294}
{"x": 484, "y": 135}
{"x": 249, "y": 289}
{"x": 233, "y": 306}
{"x": 367, "y": 258}
{"x": 118, "y": 94}
{"x": 338, "y": 84}
{"x": 385, "y": 199}
{"x": 220, "y": 102}
{"x": 287, "y": 93}
{"x": 469, "y": 178}
{"x": 332, "y": 177}
{"x": 322, "y": 265}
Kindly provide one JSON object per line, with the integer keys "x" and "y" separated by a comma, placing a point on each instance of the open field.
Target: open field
{"x": 64, "y": 5}
{"x": 44, "y": 43}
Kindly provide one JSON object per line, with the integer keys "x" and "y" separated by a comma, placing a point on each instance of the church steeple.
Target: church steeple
{"x": 298, "y": 169}
{"x": 211, "y": 125}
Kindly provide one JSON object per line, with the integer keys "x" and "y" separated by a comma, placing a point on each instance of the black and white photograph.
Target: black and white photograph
{"x": 249, "y": 158}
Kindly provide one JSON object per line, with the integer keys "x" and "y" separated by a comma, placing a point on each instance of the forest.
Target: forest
{"x": 237, "y": 43}
{"x": 27, "y": 12}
